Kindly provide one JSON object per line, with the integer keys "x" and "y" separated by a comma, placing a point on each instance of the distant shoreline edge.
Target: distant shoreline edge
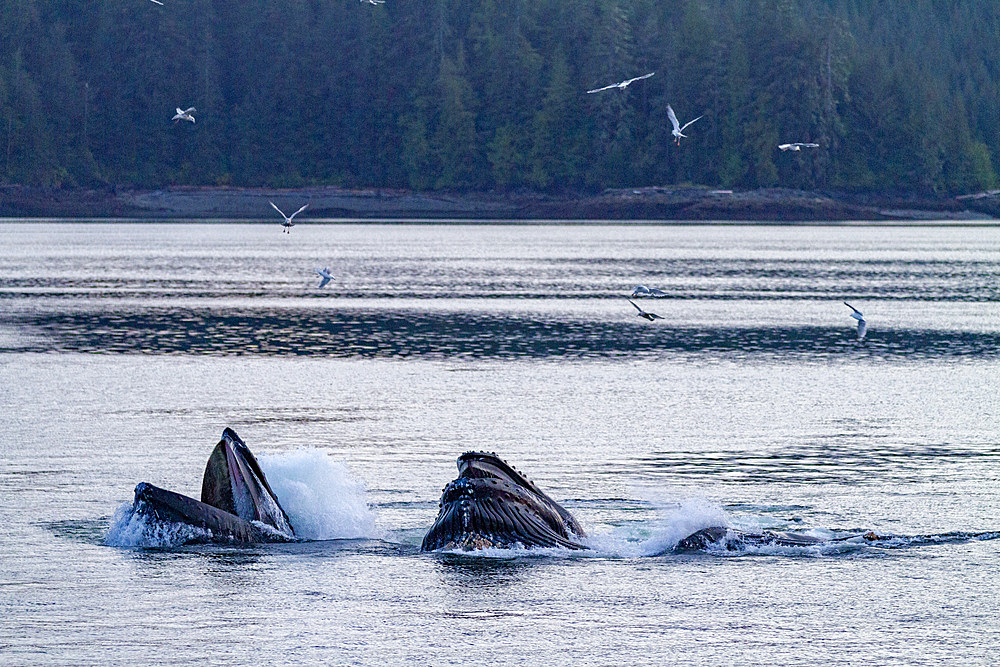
{"x": 656, "y": 203}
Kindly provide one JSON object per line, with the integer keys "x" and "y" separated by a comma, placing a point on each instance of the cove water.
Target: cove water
{"x": 125, "y": 349}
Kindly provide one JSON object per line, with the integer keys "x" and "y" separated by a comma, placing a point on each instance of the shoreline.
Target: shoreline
{"x": 647, "y": 205}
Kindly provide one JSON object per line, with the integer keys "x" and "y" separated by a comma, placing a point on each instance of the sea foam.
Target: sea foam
{"x": 322, "y": 499}
{"x": 676, "y": 520}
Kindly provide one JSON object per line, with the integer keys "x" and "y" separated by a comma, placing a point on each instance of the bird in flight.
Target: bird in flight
{"x": 678, "y": 128}
{"x": 796, "y": 146}
{"x": 324, "y": 273}
{"x": 622, "y": 85}
{"x": 374, "y": 2}
{"x": 643, "y": 314}
{"x": 287, "y": 222}
{"x": 862, "y": 324}
{"x": 642, "y": 290}
{"x": 157, "y": 2}
{"x": 183, "y": 115}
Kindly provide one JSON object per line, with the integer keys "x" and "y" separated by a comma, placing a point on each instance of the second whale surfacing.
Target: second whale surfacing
{"x": 237, "y": 504}
{"x": 491, "y": 505}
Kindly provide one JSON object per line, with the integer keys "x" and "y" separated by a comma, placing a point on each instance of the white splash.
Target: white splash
{"x": 134, "y": 529}
{"x": 677, "y": 520}
{"x": 322, "y": 499}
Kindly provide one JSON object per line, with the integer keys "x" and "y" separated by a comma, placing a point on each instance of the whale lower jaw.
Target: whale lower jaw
{"x": 479, "y": 542}
{"x": 211, "y": 524}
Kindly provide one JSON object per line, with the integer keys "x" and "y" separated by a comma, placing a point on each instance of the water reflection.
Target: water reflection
{"x": 714, "y": 276}
{"x": 851, "y": 459}
{"x": 426, "y": 334}
{"x": 483, "y": 572}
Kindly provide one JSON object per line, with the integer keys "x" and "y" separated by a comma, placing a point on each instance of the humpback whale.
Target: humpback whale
{"x": 735, "y": 540}
{"x": 491, "y": 505}
{"x": 237, "y": 504}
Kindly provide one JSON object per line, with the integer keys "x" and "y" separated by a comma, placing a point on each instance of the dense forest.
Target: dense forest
{"x": 491, "y": 94}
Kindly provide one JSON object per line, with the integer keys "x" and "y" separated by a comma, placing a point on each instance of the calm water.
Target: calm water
{"x": 125, "y": 349}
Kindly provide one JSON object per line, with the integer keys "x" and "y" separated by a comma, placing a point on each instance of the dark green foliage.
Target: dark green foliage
{"x": 490, "y": 94}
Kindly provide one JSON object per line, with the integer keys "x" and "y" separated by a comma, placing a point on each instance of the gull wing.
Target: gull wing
{"x": 691, "y": 121}
{"x": 857, "y": 312}
{"x": 810, "y": 145}
{"x": 636, "y": 307}
{"x": 628, "y": 81}
{"x": 657, "y": 293}
{"x": 785, "y": 147}
{"x": 298, "y": 211}
{"x": 157, "y": 2}
{"x": 323, "y": 282}
{"x": 277, "y": 209}
{"x": 673, "y": 118}
{"x": 188, "y": 111}
{"x": 179, "y": 112}
{"x": 597, "y": 90}
{"x": 862, "y": 329}
{"x": 655, "y": 316}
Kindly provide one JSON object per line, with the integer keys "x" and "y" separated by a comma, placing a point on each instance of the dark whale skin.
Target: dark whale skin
{"x": 491, "y": 505}
{"x": 219, "y": 526}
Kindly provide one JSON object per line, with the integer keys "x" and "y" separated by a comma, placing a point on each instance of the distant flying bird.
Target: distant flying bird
{"x": 642, "y": 290}
{"x": 622, "y": 85}
{"x": 643, "y": 314}
{"x": 796, "y": 146}
{"x": 862, "y": 325}
{"x": 183, "y": 115}
{"x": 287, "y": 222}
{"x": 678, "y": 128}
{"x": 157, "y": 2}
{"x": 324, "y": 273}
{"x": 374, "y": 2}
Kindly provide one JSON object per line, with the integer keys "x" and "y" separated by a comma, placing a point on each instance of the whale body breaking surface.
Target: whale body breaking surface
{"x": 489, "y": 506}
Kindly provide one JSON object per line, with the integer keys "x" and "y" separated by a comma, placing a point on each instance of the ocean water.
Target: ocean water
{"x": 126, "y": 348}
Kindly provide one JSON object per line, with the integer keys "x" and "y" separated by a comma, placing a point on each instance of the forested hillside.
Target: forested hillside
{"x": 902, "y": 96}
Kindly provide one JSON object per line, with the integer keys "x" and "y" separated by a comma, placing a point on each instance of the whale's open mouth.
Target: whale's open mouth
{"x": 491, "y": 505}
{"x": 234, "y": 483}
{"x": 237, "y": 504}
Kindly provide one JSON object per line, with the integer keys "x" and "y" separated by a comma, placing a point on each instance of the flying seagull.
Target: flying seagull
{"x": 183, "y": 115}
{"x": 287, "y": 222}
{"x": 374, "y": 2}
{"x": 862, "y": 325}
{"x": 622, "y": 85}
{"x": 324, "y": 273}
{"x": 678, "y": 128}
{"x": 796, "y": 146}
{"x": 157, "y": 2}
{"x": 644, "y": 314}
{"x": 642, "y": 290}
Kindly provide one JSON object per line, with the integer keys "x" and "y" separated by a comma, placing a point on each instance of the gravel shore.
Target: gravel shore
{"x": 647, "y": 203}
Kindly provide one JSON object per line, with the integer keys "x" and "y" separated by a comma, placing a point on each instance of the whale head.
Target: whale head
{"x": 234, "y": 483}
{"x": 492, "y": 505}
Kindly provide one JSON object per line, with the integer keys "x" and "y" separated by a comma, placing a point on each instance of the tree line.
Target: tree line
{"x": 490, "y": 94}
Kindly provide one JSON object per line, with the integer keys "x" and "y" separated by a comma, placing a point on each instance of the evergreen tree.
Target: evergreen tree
{"x": 901, "y": 96}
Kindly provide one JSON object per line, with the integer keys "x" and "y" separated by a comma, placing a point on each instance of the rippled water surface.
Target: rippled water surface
{"x": 125, "y": 349}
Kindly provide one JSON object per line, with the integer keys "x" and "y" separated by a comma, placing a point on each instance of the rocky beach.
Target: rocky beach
{"x": 676, "y": 203}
